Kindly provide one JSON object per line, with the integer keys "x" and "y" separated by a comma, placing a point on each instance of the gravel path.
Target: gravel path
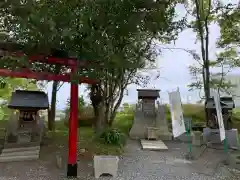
{"x": 135, "y": 164}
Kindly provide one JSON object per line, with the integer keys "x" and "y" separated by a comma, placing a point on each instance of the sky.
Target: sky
{"x": 172, "y": 64}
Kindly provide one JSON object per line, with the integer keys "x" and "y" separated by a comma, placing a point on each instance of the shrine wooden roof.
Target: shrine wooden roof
{"x": 225, "y": 102}
{"x": 148, "y": 93}
{"x": 28, "y": 100}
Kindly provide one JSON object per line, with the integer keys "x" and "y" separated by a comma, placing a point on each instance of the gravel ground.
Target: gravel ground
{"x": 135, "y": 164}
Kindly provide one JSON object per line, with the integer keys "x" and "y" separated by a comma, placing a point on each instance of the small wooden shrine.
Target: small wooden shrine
{"x": 148, "y": 98}
{"x": 25, "y": 125}
{"x": 227, "y": 105}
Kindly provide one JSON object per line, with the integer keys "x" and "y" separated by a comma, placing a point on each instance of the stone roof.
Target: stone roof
{"x": 28, "y": 100}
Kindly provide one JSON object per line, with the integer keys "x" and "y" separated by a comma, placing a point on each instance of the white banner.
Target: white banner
{"x": 178, "y": 126}
{"x": 219, "y": 114}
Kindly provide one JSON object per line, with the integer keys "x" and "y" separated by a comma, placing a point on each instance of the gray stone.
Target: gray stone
{"x": 213, "y": 136}
{"x": 105, "y": 165}
{"x": 20, "y": 154}
{"x": 18, "y": 158}
{"x": 197, "y": 138}
{"x": 161, "y": 123}
{"x": 166, "y": 137}
{"x": 140, "y": 123}
{"x": 59, "y": 161}
{"x": 185, "y": 137}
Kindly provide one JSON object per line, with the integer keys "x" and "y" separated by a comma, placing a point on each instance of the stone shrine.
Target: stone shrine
{"x": 149, "y": 115}
{"x": 211, "y": 133}
{"x": 25, "y": 123}
{"x": 25, "y": 127}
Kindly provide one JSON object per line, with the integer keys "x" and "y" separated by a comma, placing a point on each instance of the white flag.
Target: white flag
{"x": 219, "y": 114}
{"x": 178, "y": 126}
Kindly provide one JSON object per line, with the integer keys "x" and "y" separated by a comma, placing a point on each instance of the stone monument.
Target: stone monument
{"x": 149, "y": 116}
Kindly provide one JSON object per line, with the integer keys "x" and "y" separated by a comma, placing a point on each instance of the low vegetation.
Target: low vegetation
{"x": 112, "y": 139}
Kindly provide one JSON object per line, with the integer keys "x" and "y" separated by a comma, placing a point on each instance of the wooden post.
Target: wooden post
{"x": 73, "y": 130}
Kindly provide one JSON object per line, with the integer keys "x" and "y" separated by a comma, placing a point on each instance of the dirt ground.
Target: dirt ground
{"x": 135, "y": 164}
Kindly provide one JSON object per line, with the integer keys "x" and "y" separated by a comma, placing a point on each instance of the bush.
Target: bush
{"x": 112, "y": 136}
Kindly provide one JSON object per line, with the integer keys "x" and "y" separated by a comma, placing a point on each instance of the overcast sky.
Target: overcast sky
{"x": 173, "y": 66}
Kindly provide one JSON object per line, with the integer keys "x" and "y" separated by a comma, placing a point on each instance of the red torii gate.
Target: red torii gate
{"x": 73, "y": 64}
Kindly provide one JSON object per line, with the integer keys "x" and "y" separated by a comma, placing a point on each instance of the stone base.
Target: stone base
{"x": 105, "y": 165}
{"x": 138, "y": 132}
{"x": 213, "y": 136}
{"x": 167, "y": 136}
{"x": 197, "y": 138}
{"x": 153, "y": 145}
{"x": 233, "y": 160}
{"x": 185, "y": 137}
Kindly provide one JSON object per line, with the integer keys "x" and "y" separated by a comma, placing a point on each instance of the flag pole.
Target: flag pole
{"x": 226, "y": 145}
{"x": 188, "y": 132}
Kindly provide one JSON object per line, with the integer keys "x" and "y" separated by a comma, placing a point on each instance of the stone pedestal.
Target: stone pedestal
{"x": 185, "y": 137}
{"x": 213, "y": 136}
{"x": 140, "y": 123}
{"x": 197, "y": 138}
{"x": 105, "y": 165}
{"x": 162, "y": 125}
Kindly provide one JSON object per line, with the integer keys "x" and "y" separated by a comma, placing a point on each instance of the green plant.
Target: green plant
{"x": 112, "y": 136}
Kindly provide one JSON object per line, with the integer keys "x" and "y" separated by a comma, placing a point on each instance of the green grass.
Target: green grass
{"x": 86, "y": 137}
{"x": 86, "y": 141}
{"x": 123, "y": 122}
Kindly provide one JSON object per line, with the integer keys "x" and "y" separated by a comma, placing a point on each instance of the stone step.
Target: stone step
{"x": 153, "y": 145}
{"x": 16, "y": 145}
{"x": 18, "y": 158}
{"x": 20, "y": 149}
{"x": 20, "y": 153}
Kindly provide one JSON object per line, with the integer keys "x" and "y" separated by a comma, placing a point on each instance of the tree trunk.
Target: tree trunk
{"x": 51, "y": 119}
{"x": 114, "y": 112}
{"x": 100, "y": 119}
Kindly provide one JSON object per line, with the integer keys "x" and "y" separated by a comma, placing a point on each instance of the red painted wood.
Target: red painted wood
{"x": 42, "y": 76}
{"x": 73, "y": 124}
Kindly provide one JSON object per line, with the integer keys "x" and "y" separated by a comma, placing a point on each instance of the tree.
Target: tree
{"x": 114, "y": 37}
{"x": 81, "y": 105}
{"x": 12, "y": 84}
{"x": 229, "y": 21}
{"x": 205, "y": 13}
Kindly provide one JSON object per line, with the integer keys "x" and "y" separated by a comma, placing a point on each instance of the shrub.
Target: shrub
{"x": 112, "y": 136}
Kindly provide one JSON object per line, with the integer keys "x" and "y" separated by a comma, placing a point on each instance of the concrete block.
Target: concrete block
{"x": 167, "y": 136}
{"x": 213, "y": 136}
{"x": 197, "y": 138}
{"x": 20, "y": 153}
{"x": 18, "y": 158}
{"x": 185, "y": 137}
{"x": 105, "y": 165}
{"x": 21, "y": 149}
{"x": 153, "y": 145}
